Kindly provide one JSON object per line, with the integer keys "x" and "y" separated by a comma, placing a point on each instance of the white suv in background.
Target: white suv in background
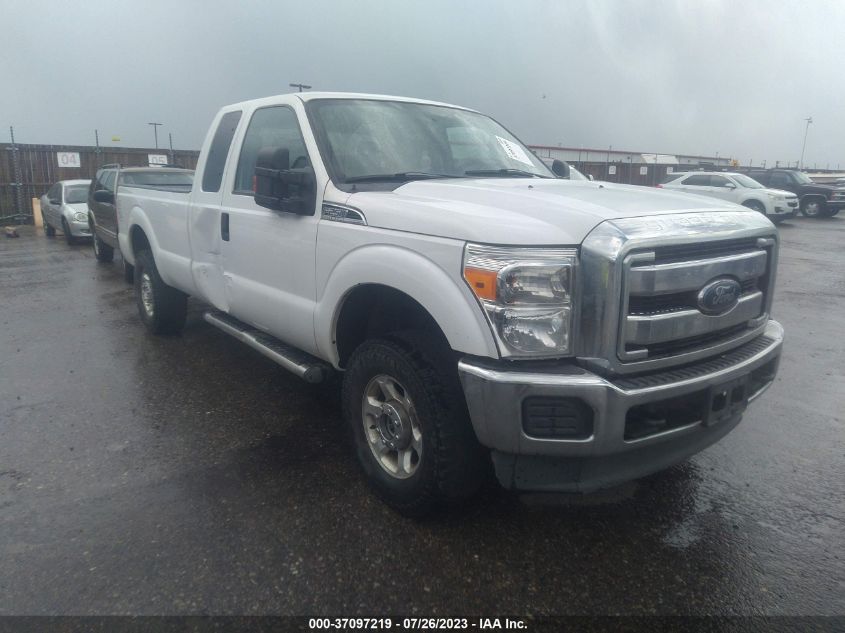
{"x": 775, "y": 204}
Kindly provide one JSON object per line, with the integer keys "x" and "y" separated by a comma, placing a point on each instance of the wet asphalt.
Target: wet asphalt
{"x": 189, "y": 475}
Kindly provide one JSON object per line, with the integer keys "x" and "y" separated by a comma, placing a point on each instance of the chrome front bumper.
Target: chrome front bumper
{"x": 495, "y": 392}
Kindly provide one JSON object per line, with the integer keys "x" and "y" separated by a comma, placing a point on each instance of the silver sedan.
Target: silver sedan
{"x": 65, "y": 207}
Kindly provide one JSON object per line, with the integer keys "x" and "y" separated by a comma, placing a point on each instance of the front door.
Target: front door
{"x": 268, "y": 256}
{"x": 51, "y": 211}
{"x": 782, "y": 180}
{"x": 721, "y": 187}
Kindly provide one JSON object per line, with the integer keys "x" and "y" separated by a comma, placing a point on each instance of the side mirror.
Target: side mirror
{"x": 281, "y": 188}
{"x": 560, "y": 169}
{"x": 590, "y": 176}
{"x": 104, "y": 195}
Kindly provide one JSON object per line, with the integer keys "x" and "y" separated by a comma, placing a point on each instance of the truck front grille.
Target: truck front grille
{"x": 661, "y": 312}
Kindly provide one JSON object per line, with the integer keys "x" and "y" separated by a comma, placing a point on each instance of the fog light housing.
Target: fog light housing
{"x": 557, "y": 418}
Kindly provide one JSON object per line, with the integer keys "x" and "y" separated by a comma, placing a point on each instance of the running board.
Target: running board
{"x": 307, "y": 367}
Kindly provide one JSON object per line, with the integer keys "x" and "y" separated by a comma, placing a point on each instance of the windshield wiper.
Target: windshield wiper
{"x": 512, "y": 173}
{"x": 402, "y": 176}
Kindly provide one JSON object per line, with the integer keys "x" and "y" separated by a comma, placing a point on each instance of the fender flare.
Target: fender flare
{"x": 446, "y": 298}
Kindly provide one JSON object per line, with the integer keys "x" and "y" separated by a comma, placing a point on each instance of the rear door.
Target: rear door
{"x": 205, "y": 213}
{"x": 268, "y": 256}
{"x": 696, "y": 183}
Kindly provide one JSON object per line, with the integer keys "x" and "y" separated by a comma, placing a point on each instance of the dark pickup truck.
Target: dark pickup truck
{"x": 102, "y": 213}
{"x": 816, "y": 200}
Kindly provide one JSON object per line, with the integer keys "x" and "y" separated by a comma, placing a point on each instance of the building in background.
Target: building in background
{"x": 637, "y": 168}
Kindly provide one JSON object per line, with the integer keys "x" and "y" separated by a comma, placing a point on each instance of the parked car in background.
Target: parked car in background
{"x": 815, "y": 199}
{"x": 775, "y": 204}
{"x": 572, "y": 335}
{"x": 102, "y": 218}
{"x": 65, "y": 207}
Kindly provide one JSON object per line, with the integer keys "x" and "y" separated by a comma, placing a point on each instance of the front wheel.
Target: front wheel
{"x": 755, "y": 205}
{"x": 410, "y": 428}
{"x": 49, "y": 231}
{"x": 69, "y": 238}
{"x": 102, "y": 251}
{"x": 128, "y": 272}
{"x": 162, "y": 307}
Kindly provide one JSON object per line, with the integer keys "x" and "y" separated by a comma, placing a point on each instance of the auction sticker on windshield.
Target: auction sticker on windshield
{"x": 514, "y": 151}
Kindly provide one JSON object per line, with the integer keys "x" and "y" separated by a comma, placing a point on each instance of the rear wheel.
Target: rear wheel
{"x": 409, "y": 424}
{"x": 102, "y": 251}
{"x": 162, "y": 307}
{"x": 69, "y": 238}
{"x": 814, "y": 207}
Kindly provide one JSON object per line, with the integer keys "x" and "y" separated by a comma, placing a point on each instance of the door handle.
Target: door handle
{"x": 224, "y": 226}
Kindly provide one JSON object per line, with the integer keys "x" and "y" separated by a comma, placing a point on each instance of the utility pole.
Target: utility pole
{"x": 809, "y": 120}
{"x": 170, "y": 138}
{"x": 16, "y": 173}
{"x": 301, "y": 87}
{"x": 155, "y": 131}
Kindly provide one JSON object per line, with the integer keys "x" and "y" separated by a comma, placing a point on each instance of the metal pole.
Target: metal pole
{"x": 155, "y": 131}
{"x": 809, "y": 120}
{"x": 170, "y": 138}
{"x": 16, "y": 170}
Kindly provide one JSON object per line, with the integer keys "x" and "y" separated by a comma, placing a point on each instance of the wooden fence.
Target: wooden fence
{"x": 27, "y": 171}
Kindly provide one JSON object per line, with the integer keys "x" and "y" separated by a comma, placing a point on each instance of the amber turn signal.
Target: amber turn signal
{"x": 482, "y": 282}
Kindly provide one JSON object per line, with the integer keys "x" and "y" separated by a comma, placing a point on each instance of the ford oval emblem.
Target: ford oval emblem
{"x": 719, "y": 296}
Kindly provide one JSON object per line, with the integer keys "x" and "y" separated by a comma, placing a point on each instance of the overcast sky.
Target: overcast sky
{"x": 735, "y": 77}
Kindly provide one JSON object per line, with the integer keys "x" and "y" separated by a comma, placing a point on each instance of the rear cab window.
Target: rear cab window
{"x": 215, "y": 163}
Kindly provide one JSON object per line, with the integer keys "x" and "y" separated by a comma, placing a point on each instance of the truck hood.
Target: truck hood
{"x": 519, "y": 210}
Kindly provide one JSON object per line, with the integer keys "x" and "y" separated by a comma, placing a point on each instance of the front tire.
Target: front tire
{"x": 410, "y": 428}
{"x": 128, "y": 272}
{"x": 755, "y": 205}
{"x": 102, "y": 251}
{"x": 49, "y": 231}
{"x": 162, "y": 307}
{"x": 69, "y": 238}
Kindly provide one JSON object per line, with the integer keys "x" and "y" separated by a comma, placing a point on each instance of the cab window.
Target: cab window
{"x": 719, "y": 181}
{"x": 276, "y": 126}
{"x": 779, "y": 178}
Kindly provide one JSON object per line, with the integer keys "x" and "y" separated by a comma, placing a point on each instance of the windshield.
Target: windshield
{"x": 745, "y": 181}
{"x": 158, "y": 178}
{"x": 369, "y": 140}
{"x": 76, "y": 194}
{"x": 803, "y": 178}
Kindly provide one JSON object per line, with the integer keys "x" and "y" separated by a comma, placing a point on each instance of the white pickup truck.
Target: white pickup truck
{"x": 480, "y": 311}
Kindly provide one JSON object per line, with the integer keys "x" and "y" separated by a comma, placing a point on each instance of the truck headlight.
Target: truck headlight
{"x": 80, "y": 216}
{"x": 527, "y": 296}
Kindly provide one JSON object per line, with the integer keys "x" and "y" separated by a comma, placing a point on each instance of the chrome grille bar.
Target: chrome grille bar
{"x": 647, "y": 330}
{"x": 660, "y": 279}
